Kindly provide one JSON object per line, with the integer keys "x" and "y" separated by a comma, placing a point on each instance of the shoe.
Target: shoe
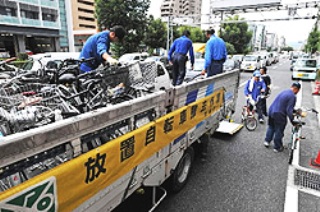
{"x": 261, "y": 121}
{"x": 278, "y": 150}
{"x": 266, "y": 144}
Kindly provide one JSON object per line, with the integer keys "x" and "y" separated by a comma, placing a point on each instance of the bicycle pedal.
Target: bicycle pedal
{"x": 303, "y": 137}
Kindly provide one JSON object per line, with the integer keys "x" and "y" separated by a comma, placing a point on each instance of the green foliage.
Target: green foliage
{"x": 286, "y": 48}
{"x": 22, "y": 56}
{"x": 230, "y": 48}
{"x": 132, "y": 15}
{"x": 156, "y": 34}
{"x": 236, "y": 34}
{"x": 313, "y": 40}
{"x": 197, "y": 35}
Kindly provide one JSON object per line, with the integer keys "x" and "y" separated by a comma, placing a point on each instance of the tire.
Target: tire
{"x": 182, "y": 172}
{"x": 290, "y": 155}
{"x": 251, "y": 123}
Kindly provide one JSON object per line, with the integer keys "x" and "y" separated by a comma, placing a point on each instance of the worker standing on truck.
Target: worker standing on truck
{"x": 98, "y": 46}
{"x": 215, "y": 54}
{"x": 179, "y": 49}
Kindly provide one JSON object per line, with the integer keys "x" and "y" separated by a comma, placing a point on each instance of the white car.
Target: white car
{"x": 39, "y": 61}
{"x": 305, "y": 69}
{"x": 251, "y": 63}
{"x": 133, "y": 57}
{"x": 197, "y": 69}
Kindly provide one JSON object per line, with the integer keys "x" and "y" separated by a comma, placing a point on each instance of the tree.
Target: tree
{"x": 197, "y": 35}
{"x": 286, "y": 48}
{"x": 130, "y": 14}
{"x": 230, "y": 48}
{"x": 156, "y": 34}
{"x": 313, "y": 40}
{"x": 236, "y": 34}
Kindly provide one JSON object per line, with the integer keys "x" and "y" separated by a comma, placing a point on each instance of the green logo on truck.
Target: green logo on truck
{"x": 40, "y": 197}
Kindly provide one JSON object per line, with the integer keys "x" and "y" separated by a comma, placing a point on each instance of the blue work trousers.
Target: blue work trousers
{"x": 179, "y": 68}
{"x": 275, "y": 132}
{"x": 216, "y": 67}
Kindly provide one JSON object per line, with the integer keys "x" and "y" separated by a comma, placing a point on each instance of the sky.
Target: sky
{"x": 293, "y": 31}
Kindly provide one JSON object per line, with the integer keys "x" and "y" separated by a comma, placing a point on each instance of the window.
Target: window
{"x": 29, "y": 14}
{"x": 87, "y": 26}
{"x": 48, "y": 17}
{"x": 86, "y": 18}
{"x": 85, "y": 2}
{"x": 8, "y": 11}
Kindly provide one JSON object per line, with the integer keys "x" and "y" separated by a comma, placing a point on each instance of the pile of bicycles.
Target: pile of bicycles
{"x": 29, "y": 99}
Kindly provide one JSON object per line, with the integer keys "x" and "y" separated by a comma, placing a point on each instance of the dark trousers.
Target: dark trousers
{"x": 216, "y": 67}
{"x": 275, "y": 132}
{"x": 179, "y": 69}
{"x": 263, "y": 106}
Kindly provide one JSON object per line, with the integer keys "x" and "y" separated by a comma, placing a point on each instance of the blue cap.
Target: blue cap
{"x": 256, "y": 74}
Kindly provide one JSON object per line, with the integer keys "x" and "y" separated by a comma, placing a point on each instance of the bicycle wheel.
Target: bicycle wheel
{"x": 290, "y": 156}
{"x": 251, "y": 123}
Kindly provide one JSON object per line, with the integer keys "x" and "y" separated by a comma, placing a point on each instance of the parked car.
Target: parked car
{"x": 52, "y": 59}
{"x": 292, "y": 63}
{"x": 305, "y": 69}
{"x": 251, "y": 63}
{"x": 276, "y": 57}
{"x": 132, "y": 57}
{"x": 238, "y": 58}
{"x": 229, "y": 65}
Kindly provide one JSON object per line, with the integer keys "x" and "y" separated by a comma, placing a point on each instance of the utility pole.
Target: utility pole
{"x": 168, "y": 34}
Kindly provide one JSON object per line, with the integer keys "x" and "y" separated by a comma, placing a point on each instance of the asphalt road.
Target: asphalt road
{"x": 240, "y": 174}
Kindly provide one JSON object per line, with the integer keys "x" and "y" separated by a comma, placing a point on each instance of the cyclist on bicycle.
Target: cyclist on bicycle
{"x": 253, "y": 89}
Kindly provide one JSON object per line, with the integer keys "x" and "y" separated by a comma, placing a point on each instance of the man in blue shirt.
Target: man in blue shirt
{"x": 280, "y": 109}
{"x": 180, "y": 48}
{"x": 215, "y": 54}
{"x": 98, "y": 46}
{"x": 253, "y": 89}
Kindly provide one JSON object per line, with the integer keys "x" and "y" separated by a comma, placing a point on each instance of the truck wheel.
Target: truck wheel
{"x": 182, "y": 171}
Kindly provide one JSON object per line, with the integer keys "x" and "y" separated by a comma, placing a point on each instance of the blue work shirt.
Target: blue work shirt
{"x": 215, "y": 50}
{"x": 283, "y": 106}
{"x": 256, "y": 88}
{"x": 95, "y": 46}
{"x": 182, "y": 45}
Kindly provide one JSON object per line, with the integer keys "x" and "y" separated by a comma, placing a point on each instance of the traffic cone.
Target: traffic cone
{"x": 315, "y": 162}
{"x": 317, "y": 89}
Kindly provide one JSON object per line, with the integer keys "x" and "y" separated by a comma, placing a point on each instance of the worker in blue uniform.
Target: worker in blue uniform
{"x": 215, "y": 54}
{"x": 253, "y": 91}
{"x": 180, "y": 47}
{"x": 281, "y": 108}
{"x": 98, "y": 46}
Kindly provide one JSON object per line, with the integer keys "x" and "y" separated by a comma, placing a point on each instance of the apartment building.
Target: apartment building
{"x": 34, "y": 25}
{"x": 84, "y": 22}
{"x": 182, "y": 10}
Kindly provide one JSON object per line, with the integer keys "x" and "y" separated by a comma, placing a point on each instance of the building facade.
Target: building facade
{"x": 83, "y": 21}
{"x": 32, "y": 25}
{"x": 182, "y": 11}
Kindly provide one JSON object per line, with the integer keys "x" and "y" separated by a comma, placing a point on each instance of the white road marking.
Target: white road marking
{"x": 242, "y": 84}
{"x": 291, "y": 202}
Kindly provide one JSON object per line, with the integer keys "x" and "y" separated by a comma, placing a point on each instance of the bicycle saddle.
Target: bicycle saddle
{"x": 67, "y": 78}
{"x": 297, "y": 122}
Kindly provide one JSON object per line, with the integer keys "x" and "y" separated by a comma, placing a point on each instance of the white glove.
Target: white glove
{"x": 112, "y": 61}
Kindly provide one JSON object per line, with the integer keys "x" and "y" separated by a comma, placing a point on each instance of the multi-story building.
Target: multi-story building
{"x": 182, "y": 11}
{"x": 260, "y": 38}
{"x": 35, "y": 25}
{"x": 270, "y": 39}
{"x": 253, "y": 29}
{"x": 84, "y": 22}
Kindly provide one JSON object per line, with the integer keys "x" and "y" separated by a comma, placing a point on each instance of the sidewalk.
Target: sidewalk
{"x": 303, "y": 179}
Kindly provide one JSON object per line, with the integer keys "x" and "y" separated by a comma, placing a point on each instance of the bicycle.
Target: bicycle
{"x": 248, "y": 117}
{"x": 296, "y": 130}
